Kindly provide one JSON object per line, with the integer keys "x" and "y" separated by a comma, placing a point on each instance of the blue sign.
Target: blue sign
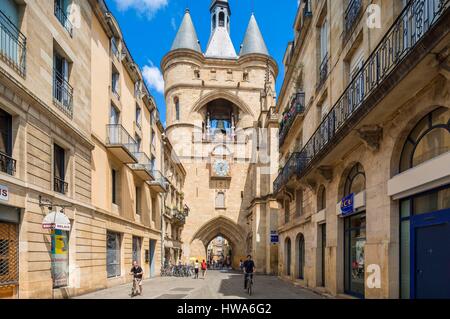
{"x": 347, "y": 205}
{"x": 274, "y": 237}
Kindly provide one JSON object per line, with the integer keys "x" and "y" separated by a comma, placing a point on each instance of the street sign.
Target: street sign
{"x": 274, "y": 239}
{"x": 4, "y": 193}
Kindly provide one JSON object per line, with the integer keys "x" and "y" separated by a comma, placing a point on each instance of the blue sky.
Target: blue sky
{"x": 149, "y": 27}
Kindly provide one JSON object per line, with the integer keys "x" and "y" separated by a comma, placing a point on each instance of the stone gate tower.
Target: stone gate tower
{"x": 214, "y": 100}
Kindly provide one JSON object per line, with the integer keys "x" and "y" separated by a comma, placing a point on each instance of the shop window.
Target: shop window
{"x": 429, "y": 139}
{"x": 356, "y": 180}
{"x": 113, "y": 259}
{"x": 9, "y": 254}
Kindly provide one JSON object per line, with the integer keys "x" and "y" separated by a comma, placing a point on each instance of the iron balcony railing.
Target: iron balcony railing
{"x": 13, "y": 45}
{"x": 7, "y": 164}
{"x": 117, "y": 135}
{"x": 60, "y": 186}
{"x": 351, "y": 14}
{"x": 408, "y": 29}
{"x": 292, "y": 167}
{"x": 323, "y": 71}
{"x": 144, "y": 163}
{"x": 62, "y": 93}
{"x": 63, "y": 19}
{"x": 297, "y": 107}
{"x": 159, "y": 179}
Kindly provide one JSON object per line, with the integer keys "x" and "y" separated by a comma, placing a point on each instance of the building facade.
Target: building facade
{"x": 214, "y": 100}
{"x": 81, "y": 153}
{"x": 364, "y": 149}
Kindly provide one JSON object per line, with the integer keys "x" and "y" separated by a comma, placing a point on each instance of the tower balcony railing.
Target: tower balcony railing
{"x": 13, "y": 45}
{"x": 413, "y": 23}
{"x": 351, "y": 14}
{"x": 296, "y": 109}
{"x": 7, "y": 164}
{"x": 62, "y": 93}
{"x": 121, "y": 144}
{"x": 63, "y": 19}
{"x": 292, "y": 167}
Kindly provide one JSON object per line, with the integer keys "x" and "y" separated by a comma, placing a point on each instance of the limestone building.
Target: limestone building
{"x": 214, "y": 100}
{"x": 81, "y": 153}
{"x": 364, "y": 149}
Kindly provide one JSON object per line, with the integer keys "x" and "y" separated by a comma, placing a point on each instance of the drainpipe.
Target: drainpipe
{"x": 163, "y": 235}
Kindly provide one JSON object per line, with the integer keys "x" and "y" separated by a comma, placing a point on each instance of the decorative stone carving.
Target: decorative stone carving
{"x": 326, "y": 172}
{"x": 371, "y": 135}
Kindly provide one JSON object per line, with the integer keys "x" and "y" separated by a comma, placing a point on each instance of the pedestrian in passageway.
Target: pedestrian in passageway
{"x": 196, "y": 266}
{"x": 204, "y": 267}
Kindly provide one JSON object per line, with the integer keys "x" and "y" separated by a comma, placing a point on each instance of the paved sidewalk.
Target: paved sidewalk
{"x": 216, "y": 285}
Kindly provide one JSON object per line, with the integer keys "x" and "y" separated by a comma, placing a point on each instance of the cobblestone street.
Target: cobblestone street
{"x": 216, "y": 285}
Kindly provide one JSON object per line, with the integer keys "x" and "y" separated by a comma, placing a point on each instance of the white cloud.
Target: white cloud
{"x": 153, "y": 77}
{"x": 147, "y": 7}
{"x": 173, "y": 23}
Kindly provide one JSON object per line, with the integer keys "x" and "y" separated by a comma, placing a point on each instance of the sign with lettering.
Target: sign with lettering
{"x": 274, "y": 237}
{"x": 4, "y": 193}
{"x": 347, "y": 205}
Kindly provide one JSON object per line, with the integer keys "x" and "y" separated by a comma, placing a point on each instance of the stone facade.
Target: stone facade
{"x": 333, "y": 156}
{"x": 59, "y": 150}
{"x": 203, "y": 93}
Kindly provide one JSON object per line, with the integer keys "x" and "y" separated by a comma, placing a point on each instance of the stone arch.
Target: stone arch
{"x": 403, "y": 135}
{"x": 345, "y": 176}
{"x": 222, "y": 95}
{"x": 227, "y": 228}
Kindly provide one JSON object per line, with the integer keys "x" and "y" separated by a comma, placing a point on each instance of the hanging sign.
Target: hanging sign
{"x": 274, "y": 239}
{"x": 4, "y": 193}
{"x": 57, "y": 221}
{"x": 348, "y": 205}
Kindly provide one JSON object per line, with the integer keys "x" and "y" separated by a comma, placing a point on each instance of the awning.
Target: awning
{"x": 56, "y": 220}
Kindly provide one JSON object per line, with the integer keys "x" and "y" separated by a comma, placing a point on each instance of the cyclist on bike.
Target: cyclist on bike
{"x": 249, "y": 269}
{"x": 137, "y": 273}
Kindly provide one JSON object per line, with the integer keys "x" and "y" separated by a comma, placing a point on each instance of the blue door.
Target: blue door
{"x": 430, "y": 255}
{"x": 152, "y": 257}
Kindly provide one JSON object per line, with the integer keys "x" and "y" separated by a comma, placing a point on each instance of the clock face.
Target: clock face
{"x": 221, "y": 168}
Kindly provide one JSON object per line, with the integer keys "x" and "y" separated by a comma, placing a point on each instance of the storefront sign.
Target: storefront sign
{"x": 57, "y": 221}
{"x": 274, "y": 237}
{"x": 4, "y": 193}
{"x": 347, "y": 205}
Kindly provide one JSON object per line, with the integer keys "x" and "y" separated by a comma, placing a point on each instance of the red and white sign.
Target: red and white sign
{"x": 4, "y": 193}
{"x": 56, "y": 220}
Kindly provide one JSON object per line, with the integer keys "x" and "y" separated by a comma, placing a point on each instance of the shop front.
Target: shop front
{"x": 9, "y": 251}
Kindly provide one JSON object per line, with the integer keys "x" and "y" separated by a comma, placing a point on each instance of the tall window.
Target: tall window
{"x": 287, "y": 252}
{"x": 138, "y": 116}
{"x": 298, "y": 202}
{"x": 114, "y": 186}
{"x": 429, "y": 139}
{"x": 301, "y": 256}
{"x": 177, "y": 108}
{"x": 136, "y": 249}
{"x": 6, "y": 162}
{"x": 138, "y": 201}
{"x": 138, "y": 142}
{"x": 287, "y": 211}
{"x": 115, "y": 82}
{"x": 114, "y": 115}
{"x": 321, "y": 198}
{"x": 59, "y": 169}
{"x": 323, "y": 67}
{"x": 113, "y": 254}
{"x": 62, "y": 90}
{"x": 221, "y": 19}
{"x": 220, "y": 200}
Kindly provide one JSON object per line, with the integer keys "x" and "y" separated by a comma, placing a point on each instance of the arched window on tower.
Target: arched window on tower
{"x": 221, "y": 19}
{"x": 176, "y": 101}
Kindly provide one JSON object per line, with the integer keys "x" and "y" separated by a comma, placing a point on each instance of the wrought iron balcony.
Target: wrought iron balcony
{"x": 159, "y": 184}
{"x": 143, "y": 168}
{"x": 180, "y": 216}
{"x": 60, "y": 186}
{"x": 351, "y": 14}
{"x": 412, "y": 25}
{"x": 293, "y": 167}
{"x": 62, "y": 17}
{"x": 62, "y": 93}
{"x": 121, "y": 144}
{"x": 323, "y": 71}
{"x": 13, "y": 45}
{"x": 297, "y": 108}
{"x": 7, "y": 164}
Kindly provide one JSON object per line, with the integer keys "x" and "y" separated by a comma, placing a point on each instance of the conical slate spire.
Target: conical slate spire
{"x": 186, "y": 37}
{"x": 253, "y": 40}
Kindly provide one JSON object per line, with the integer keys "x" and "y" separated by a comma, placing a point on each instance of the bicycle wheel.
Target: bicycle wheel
{"x": 250, "y": 287}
